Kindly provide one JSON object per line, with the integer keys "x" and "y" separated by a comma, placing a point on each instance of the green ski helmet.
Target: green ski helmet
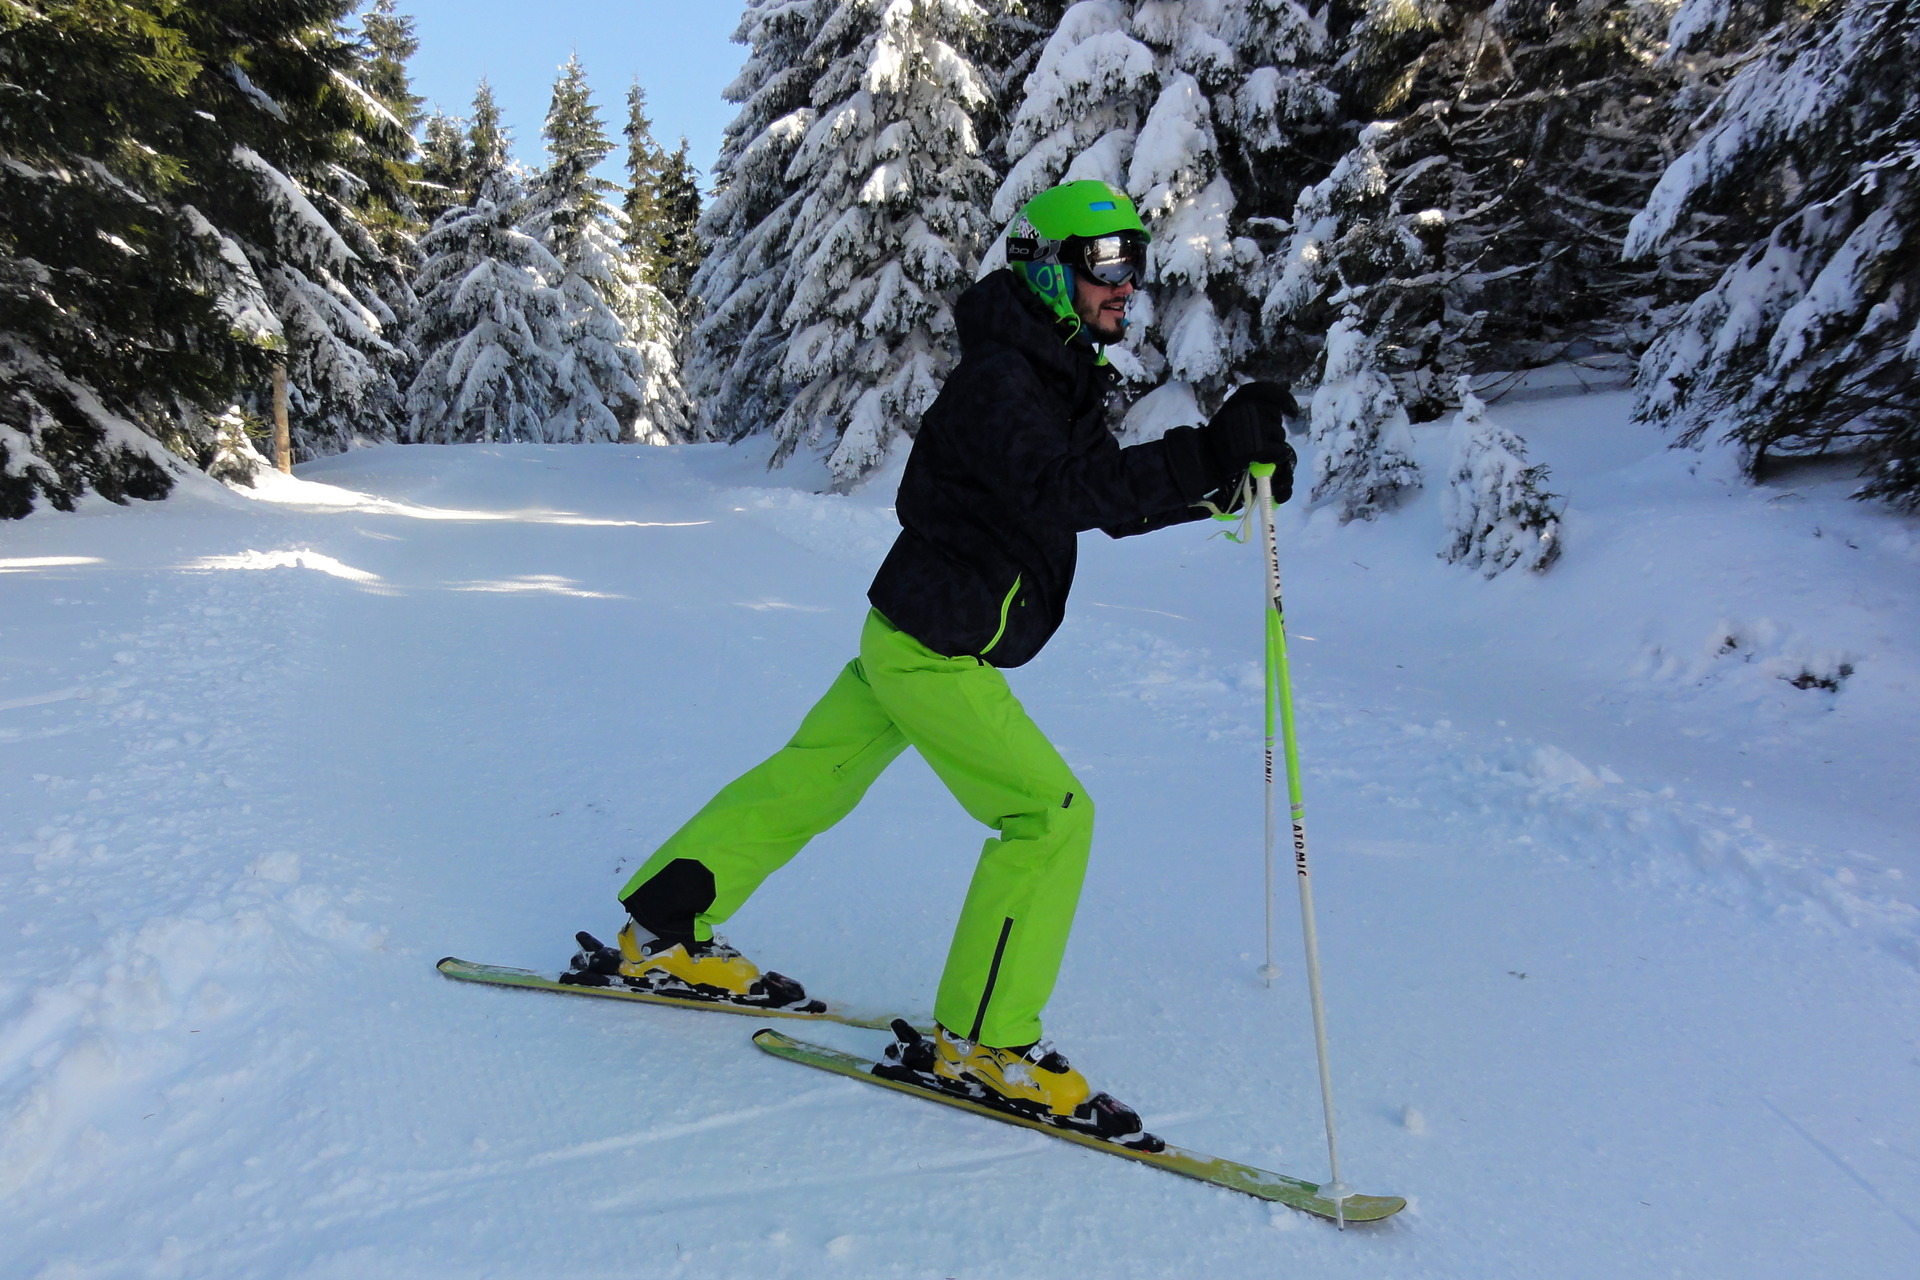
{"x": 1079, "y": 226}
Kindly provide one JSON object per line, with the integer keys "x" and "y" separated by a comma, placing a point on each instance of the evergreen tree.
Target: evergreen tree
{"x": 1343, "y": 238}
{"x": 645, "y": 162}
{"x": 662, "y": 207}
{"x": 103, "y": 302}
{"x": 1017, "y": 33}
{"x": 1363, "y": 452}
{"x": 311, "y": 154}
{"x": 654, "y": 320}
{"x": 445, "y": 167}
{"x": 458, "y": 155}
{"x": 1510, "y": 139}
{"x": 1185, "y": 106}
{"x": 1806, "y": 343}
{"x": 1497, "y": 515}
{"x": 678, "y": 251}
{"x": 1344, "y": 241}
{"x": 739, "y": 342}
{"x": 889, "y": 230}
{"x": 389, "y": 41}
{"x": 599, "y": 371}
{"x": 491, "y": 331}
{"x": 653, "y": 331}
{"x": 489, "y": 144}
{"x": 214, "y": 152}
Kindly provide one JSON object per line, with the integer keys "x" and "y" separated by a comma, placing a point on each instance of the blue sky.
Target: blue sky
{"x": 680, "y": 50}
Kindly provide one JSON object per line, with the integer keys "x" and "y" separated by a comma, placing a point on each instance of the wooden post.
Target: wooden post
{"x": 282, "y": 438}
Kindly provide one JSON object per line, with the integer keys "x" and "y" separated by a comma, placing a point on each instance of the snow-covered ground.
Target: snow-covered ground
{"x": 1621, "y": 926}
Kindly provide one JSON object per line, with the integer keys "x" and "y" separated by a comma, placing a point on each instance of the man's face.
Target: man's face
{"x": 1101, "y": 307}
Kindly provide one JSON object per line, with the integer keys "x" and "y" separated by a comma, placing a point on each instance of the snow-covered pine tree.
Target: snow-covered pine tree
{"x": 458, "y": 155}
{"x": 322, "y": 271}
{"x": 890, "y": 229}
{"x": 678, "y": 251}
{"x": 491, "y": 330}
{"x": 1362, "y": 450}
{"x": 1016, "y": 34}
{"x": 384, "y": 172}
{"x": 653, "y": 320}
{"x": 599, "y": 372}
{"x": 1186, "y": 106}
{"x": 389, "y": 40}
{"x": 1510, "y": 139}
{"x": 1498, "y": 516}
{"x": 1344, "y": 240}
{"x": 444, "y": 166}
{"x": 214, "y": 156}
{"x": 663, "y": 414}
{"x": 313, "y": 162}
{"x": 1081, "y": 107}
{"x": 640, "y": 204}
{"x": 1277, "y": 130}
{"x": 489, "y": 142}
{"x": 1079, "y": 116}
{"x": 108, "y": 326}
{"x": 1810, "y": 341}
{"x": 738, "y": 342}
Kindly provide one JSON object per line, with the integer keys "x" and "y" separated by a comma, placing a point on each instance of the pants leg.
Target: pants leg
{"x": 962, "y": 718}
{"x": 757, "y": 822}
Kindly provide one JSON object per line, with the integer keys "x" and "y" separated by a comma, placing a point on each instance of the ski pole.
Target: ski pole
{"x": 1279, "y": 694}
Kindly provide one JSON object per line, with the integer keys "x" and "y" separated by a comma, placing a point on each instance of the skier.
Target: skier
{"x": 1012, "y": 460}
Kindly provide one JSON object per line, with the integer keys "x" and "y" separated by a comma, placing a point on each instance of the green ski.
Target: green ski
{"x": 1191, "y": 1164}
{"x": 501, "y": 976}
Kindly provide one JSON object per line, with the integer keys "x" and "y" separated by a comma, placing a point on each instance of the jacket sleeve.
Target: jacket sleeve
{"x": 1162, "y": 520}
{"x": 1017, "y": 440}
{"x": 1225, "y": 497}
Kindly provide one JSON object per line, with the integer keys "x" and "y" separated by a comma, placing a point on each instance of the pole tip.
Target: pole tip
{"x": 1268, "y": 972}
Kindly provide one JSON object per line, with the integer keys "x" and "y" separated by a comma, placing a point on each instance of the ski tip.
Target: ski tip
{"x": 1358, "y": 1210}
{"x": 442, "y": 963}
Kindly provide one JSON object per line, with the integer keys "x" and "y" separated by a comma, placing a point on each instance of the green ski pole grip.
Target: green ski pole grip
{"x": 1261, "y": 469}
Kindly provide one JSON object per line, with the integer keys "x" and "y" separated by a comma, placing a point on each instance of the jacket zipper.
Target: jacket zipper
{"x": 1005, "y": 606}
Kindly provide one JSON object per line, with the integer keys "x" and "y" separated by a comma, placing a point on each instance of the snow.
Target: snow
{"x": 1620, "y": 926}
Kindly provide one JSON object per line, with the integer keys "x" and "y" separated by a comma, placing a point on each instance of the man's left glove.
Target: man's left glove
{"x": 1251, "y": 427}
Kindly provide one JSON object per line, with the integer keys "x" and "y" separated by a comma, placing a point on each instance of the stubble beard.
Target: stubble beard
{"x": 1093, "y": 318}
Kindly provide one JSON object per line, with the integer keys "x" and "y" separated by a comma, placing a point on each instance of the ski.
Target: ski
{"x": 1148, "y": 1150}
{"x": 501, "y": 976}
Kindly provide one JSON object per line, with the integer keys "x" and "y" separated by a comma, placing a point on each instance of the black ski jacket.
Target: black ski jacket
{"x": 1014, "y": 459}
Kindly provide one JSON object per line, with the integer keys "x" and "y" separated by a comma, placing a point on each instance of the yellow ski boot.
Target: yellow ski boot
{"x": 1035, "y": 1082}
{"x": 1034, "y": 1077}
{"x": 713, "y": 966}
{"x": 712, "y": 972}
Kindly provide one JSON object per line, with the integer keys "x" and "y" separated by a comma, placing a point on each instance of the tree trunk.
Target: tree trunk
{"x": 282, "y": 438}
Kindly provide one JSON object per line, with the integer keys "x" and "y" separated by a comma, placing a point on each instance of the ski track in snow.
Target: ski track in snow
{"x": 262, "y": 762}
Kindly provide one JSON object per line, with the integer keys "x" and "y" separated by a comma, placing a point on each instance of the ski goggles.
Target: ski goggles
{"x": 1112, "y": 260}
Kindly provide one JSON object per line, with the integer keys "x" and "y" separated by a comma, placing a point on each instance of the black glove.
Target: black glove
{"x": 1251, "y": 427}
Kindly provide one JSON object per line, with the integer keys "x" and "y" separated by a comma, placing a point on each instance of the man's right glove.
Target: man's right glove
{"x": 1251, "y": 427}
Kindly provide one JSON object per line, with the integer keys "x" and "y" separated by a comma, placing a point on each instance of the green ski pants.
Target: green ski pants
{"x": 962, "y": 718}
